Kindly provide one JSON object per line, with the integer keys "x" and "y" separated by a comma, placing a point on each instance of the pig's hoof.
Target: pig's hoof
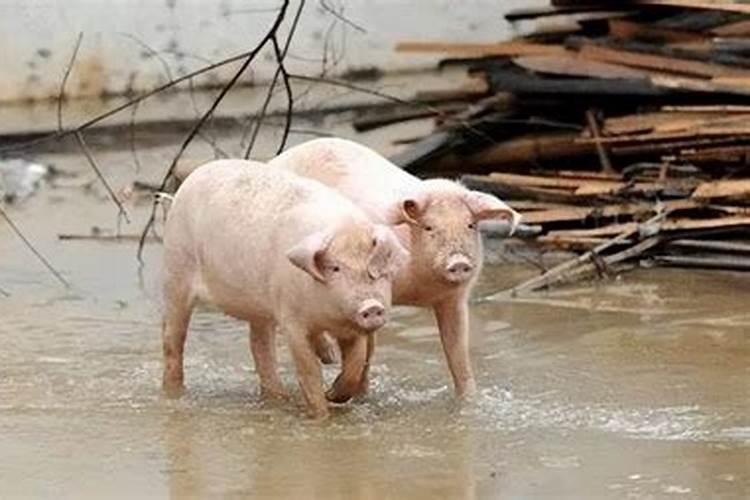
{"x": 338, "y": 396}
{"x": 326, "y": 350}
{"x": 318, "y": 414}
{"x": 274, "y": 394}
{"x": 467, "y": 392}
{"x": 172, "y": 390}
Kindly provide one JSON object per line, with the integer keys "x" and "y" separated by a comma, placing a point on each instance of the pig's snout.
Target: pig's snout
{"x": 458, "y": 269}
{"x": 371, "y": 315}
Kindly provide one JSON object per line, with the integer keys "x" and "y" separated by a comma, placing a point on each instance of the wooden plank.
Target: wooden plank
{"x": 573, "y": 65}
{"x": 711, "y": 108}
{"x": 575, "y": 244}
{"x": 648, "y": 122}
{"x": 705, "y": 262}
{"x": 568, "y": 10}
{"x": 710, "y": 245}
{"x": 549, "y": 181}
{"x": 569, "y": 214}
{"x": 661, "y": 64}
{"x": 666, "y": 226}
{"x": 722, "y": 189}
{"x": 589, "y": 175}
{"x": 738, "y": 28}
{"x": 627, "y": 29}
{"x": 723, "y": 5}
{"x": 511, "y": 192}
{"x": 521, "y": 150}
{"x": 511, "y": 48}
{"x": 528, "y": 206}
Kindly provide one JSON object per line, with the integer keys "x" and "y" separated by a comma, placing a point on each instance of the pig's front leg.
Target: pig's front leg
{"x": 263, "y": 348}
{"x": 308, "y": 369}
{"x": 354, "y": 362}
{"x": 452, "y": 317}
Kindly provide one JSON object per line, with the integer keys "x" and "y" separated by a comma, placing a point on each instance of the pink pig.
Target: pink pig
{"x": 275, "y": 249}
{"x": 437, "y": 223}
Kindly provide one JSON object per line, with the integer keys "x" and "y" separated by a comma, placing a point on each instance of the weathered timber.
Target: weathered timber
{"x": 723, "y": 189}
{"x": 705, "y": 262}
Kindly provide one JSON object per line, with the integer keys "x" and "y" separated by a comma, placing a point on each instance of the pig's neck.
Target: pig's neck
{"x": 416, "y": 284}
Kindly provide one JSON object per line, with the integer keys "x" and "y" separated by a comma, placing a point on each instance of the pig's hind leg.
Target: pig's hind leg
{"x": 263, "y": 348}
{"x": 178, "y": 308}
{"x": 325, "y": 348}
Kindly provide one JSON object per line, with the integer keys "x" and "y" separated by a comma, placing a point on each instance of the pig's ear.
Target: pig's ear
{"x": 484, "y": 206}
{"x": 408, "y": 209}
{"x": 388, "y": 254}
{"x": 308, "y": 254}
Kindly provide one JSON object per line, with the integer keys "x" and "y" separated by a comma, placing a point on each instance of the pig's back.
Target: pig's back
{"x": 237, "y": 219}
{"x": 359, "y": 173}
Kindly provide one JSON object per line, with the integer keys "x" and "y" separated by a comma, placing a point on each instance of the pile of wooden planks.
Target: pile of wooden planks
{"x": 610, "y": 113}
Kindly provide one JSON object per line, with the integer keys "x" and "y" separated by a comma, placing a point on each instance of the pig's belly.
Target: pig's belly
{"x": 248, "y": 303}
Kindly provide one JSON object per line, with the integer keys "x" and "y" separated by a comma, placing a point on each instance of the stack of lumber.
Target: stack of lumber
{"x": 610, "y": 113}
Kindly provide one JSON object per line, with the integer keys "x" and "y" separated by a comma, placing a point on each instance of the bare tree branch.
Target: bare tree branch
{"x": 68, "y": 69}
{"x": 338, "y": 14}
{"x": 209, "y": 112}
{"x": 250, "y": 54}
{"x": 92, "y": 162}
{"x": 33, "y": 249}
{"x": 280, "y": 71}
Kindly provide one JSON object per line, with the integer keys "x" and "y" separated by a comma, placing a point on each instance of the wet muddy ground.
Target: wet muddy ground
{"x": 637, "y": 387}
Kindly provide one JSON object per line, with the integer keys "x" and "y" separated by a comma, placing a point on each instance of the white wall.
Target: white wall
{"x": 37, "y": 38}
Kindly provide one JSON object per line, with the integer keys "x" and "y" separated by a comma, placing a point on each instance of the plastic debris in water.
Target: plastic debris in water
{"x": 19, "y": 178}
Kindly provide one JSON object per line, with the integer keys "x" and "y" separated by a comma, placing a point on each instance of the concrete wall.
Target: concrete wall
{"x": 133, "y": 45}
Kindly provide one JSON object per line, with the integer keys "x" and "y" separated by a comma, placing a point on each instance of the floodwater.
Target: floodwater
{"x": 632, "y": 388}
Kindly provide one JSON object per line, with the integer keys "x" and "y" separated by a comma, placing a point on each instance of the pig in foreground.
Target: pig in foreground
{"x": 437, "y": 222}
{"x": 275, "y": 249}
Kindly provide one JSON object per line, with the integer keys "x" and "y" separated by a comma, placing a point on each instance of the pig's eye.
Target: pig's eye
{"x": 428, "y": 228}
{"x": 472, "y": 226}
{"x": 335, "y": 269}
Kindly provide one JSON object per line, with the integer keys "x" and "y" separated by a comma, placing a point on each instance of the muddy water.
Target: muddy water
{"x": 634, "y": 388}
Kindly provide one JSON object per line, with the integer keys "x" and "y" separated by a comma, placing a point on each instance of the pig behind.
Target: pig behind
{"x": 271, "y": 248}
{"x": 437, "y": 221}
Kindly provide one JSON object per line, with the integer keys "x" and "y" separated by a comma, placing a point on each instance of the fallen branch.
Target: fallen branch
{"x": 116, "y": 238}
{"x": 558, "y": 272}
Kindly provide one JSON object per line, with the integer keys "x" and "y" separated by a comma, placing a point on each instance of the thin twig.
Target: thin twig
{"x": 61, "y": 95}
{"x": 280, "y": 71}
{"x": 209, "y": 112}
{"x": 33, "y": 249}
{"x": 4, "y": 293}
{"x": 289, "y": 98}
{"x": 133, "y": 150}
{"x": 340, "y": 16}
{"x": 104, "y": 237}
{"x": 92, "y": 162}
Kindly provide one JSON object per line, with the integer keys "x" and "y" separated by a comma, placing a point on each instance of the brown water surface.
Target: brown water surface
{"x": 633, "y": 388}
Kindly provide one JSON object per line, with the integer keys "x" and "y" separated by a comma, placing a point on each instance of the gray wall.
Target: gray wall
{"x": 137, "y": 44}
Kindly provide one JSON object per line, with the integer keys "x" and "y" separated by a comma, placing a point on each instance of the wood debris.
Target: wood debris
{"x": 643, "y": 108}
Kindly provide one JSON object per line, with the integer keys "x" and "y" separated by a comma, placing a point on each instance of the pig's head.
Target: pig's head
{"x": 356, "y": 263}
{"x": 443, "y": 219}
